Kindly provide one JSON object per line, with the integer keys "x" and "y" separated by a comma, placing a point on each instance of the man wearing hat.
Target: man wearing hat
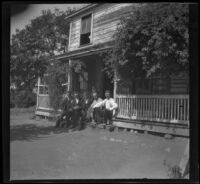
{"x": 94, "y": 112}
{"x": 77, "y": 108}
{"x": 67, "y": 111}
{"x": 109, "y": 106}
{"x": 86, "y": 102}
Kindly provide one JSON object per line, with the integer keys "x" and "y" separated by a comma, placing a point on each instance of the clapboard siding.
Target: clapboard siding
{"x": 107, "y": 25}
{"x": 109, "y": 8}
{"x": 179, "y": 85}
{"x": 111, "y": 15}
{"x": 103, "y": 32}
{"x": 103, "y": 37}
{"x": 105, "y": 20}
{"x": 75, "y": 34}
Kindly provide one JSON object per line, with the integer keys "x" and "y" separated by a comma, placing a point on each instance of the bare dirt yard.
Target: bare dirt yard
{"x": 40, "y": 151}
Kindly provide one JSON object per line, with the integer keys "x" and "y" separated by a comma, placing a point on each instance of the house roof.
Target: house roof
{"x": 82, "y": 10}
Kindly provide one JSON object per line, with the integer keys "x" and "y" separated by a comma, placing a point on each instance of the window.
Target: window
{"x": 43, "y": 90}
{"x": 85, "y": 30}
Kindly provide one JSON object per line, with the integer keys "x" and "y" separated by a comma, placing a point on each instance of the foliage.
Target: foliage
{"x": 55, "y": 78}
{"x": 32, "y": 47}
{"x": 12, "y": 98}
{"x": 24, "y": 99}
{"x": 153, "y": 39}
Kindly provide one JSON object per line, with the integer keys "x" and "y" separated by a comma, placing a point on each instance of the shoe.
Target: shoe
{"x": 112, "y": 128}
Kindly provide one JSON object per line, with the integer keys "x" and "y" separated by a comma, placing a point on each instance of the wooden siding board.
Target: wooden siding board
{"x": 107, "y": 39}
{"x": 111, "y": 8}
{"x": 108, "y": 25}
{"x": 106, "y": 33}
{"x": 105, "y": 20}
{"x": 103, "y": 39}
{"x": 118, "y": 13}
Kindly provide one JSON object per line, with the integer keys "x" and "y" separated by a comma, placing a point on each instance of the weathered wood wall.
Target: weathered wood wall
{"x": 104, "y": 23}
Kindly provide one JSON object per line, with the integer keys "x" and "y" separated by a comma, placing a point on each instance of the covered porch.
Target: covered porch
{"x": 160, "y": 102}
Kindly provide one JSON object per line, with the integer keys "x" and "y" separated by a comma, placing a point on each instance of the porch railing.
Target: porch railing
{"x": 160, "y": 108}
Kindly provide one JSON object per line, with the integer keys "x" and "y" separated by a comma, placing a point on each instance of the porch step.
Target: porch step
{"x": 45, "y": 113}
{"x": 157, "y": 127}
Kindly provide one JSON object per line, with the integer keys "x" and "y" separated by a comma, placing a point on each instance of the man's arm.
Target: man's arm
{"x": 114, "y": 104}
{"x": 99, "y": 104}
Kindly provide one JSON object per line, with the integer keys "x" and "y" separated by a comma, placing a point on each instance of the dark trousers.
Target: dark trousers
{"x": 98, "y": 115}
{"x": 102, "y": 115}
{"x": 60, "y": 122}
{"x": 76, "y": 118}
{"x": 107, "y": 115}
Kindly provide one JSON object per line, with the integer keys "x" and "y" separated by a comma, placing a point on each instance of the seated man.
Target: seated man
{"x": 66, "y": 115}
{"x": 94, "y": 112}
{"x": 86, "y": 102}
{"x": 109, "y": 106}
{"x": 76, "y": 113}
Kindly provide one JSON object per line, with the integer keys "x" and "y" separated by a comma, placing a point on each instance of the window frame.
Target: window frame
{"x": 91, "y": 30}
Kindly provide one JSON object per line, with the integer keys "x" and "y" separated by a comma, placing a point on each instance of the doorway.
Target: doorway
{"x": 96, "y": 77}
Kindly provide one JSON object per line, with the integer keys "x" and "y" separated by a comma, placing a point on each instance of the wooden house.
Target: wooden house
{"x": 142, "y": 103}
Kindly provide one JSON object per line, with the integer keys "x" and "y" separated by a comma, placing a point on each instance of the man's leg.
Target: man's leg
{"x": 107, "y": 116}
{"x": 68, "y": 119}
{"x": 60, "y": 119}
{"x": 76, "y": 118}
{"x": 94, "y": 115}
{"x": 98, "y": 115}
{"x": 82, "y": 120}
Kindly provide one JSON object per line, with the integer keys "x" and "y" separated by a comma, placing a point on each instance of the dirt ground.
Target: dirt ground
{"x": 39, "y": 151}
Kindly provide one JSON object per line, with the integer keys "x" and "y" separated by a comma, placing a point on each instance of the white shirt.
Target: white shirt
{"x": 109, "y": 104}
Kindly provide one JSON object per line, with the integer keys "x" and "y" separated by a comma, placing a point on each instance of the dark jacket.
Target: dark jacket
{"x": 75, "y": 105}
{"x": 86, "y": 102}
{"x": 66, "y": 104}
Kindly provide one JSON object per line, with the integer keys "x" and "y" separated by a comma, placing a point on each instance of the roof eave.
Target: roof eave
{"x": 82, "y": 10}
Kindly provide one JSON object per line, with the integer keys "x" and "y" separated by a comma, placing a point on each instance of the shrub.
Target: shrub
{"x": 12, "y": 98}
{"x": 55, "y": 78}
{"x": 24, "y": 99}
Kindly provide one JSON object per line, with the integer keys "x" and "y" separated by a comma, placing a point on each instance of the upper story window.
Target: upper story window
{"x": 85, "y": 30}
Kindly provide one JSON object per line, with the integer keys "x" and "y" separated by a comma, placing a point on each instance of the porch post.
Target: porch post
{"x": 115, "y": 84}
{"x": 38, "y": 92}
{"x": 70, "y": 75}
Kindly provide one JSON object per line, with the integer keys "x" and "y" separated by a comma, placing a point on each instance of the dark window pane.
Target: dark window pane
{"x": 85, "y": 39}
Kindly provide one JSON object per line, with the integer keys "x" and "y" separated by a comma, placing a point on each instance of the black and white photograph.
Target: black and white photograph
{"x": 99, "y": 91}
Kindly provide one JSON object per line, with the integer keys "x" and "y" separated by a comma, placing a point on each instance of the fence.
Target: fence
{"x": 161, "y": 108}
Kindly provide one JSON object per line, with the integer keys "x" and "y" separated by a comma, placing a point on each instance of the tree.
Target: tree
{"x": 33, "y": 46}
{"x": 55, "y": 78}
{"x": 153, "y": 39}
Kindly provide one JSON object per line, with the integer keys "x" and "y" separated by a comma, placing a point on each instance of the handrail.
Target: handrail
{"x": 163, "y": 108}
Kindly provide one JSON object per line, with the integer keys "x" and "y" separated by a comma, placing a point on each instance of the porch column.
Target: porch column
{"x": 70, "y": 75}
{"x": 115, "y": 84}
{"x": 38, "y": 92}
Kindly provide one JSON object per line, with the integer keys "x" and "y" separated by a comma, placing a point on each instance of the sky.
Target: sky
{"x": 20, "y": 20}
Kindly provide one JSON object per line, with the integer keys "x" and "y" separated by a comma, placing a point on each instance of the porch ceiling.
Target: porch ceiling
{"x": 85, "y": 51}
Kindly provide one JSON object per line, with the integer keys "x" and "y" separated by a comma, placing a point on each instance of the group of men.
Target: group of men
{"x": 77, "y": 111}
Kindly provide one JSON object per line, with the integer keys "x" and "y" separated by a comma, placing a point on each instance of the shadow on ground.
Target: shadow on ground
{"x": 32, "y": 132}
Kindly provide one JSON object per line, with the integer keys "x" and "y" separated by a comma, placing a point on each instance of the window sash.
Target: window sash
{"x": 86, "y": 25}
